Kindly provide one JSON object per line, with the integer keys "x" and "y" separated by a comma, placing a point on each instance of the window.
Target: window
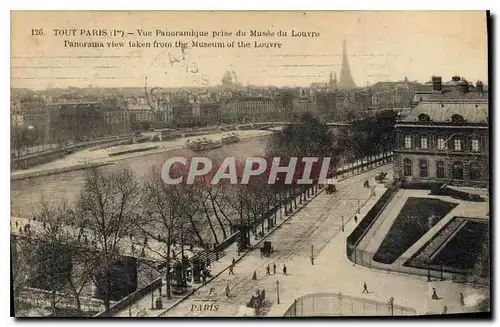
{"x": 474, "y": 171}
{"x": 423, "y": 142}
{"x": 441, "y": 145}
{"x": 440, "y": 169}
{"x": 457, "y": 144}
{"x": 423, "y": 168}
{"x": 424, "y": 118}
{"x": 458, "y": 170}
{"x": 408, "y": 141}
{"x": 407, "y": 167}
{"x": 475, "y": 145}
{"x": 457, "y": 118}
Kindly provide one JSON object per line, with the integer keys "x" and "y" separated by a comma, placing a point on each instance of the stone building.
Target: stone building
{"x": 445, "y": 138}
{"x": 247, "y": 109}
{"x": 77, "y": 121}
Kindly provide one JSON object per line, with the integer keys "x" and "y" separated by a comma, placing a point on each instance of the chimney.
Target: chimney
{"x": 479, "y": 86}
{"x": 436, "y": 83}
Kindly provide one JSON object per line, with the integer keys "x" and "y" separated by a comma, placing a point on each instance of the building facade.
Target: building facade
{"x": 77, "y": 121}
{"x": 444, "y": 139}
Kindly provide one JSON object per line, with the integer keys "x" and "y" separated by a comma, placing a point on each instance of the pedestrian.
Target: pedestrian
{"x": 231, "y": 272}
{"x": 434, "y": 294}
{"x": 234, "y": 261}
{"x": 445, "y": 310}
{"x": 365, "y": 288}
{"x": 312, "y": 260}
{"x": 268, "y": 270}
{"x": 356, "y": 218}
{"x": 462, "y": 302}
{"x": 227, "y": 291}
{"x": 274, "y": 268}
{"x": 17, "y": 224}
{"x": 284, "y": 270}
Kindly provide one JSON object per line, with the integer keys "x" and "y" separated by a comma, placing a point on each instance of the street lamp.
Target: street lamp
{"x": 278, "y": 290}
{"x": 342, "y": 223}
{"x": 279, "y": 197}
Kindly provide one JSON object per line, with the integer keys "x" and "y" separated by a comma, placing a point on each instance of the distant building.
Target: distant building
{"x": 183, "y": 115}
{"x": 33, "y": 116}
{"x": 117, "y": 122}
{"x": 247, "y": 109}
{"x": 141, "y": 112}
{"x": 445, "y": 137}
{"x": 77, "y": 121}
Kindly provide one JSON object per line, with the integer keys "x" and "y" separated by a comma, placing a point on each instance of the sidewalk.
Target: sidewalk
{"x": 143, "y": 306}
{"x": 315, "y": 226}
{"x": 334, "y": 272}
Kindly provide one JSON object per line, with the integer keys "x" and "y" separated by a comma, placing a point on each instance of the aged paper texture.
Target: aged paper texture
{"x": 249, "y": 164}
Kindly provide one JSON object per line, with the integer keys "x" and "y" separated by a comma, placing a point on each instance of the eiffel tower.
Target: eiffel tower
{"x": 346, "y": 81}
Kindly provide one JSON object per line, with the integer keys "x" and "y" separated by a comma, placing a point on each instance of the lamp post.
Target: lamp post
{"x": 278, "y": 291}
{"x": 279, "y": 197}
{"x": 342, "y": 223}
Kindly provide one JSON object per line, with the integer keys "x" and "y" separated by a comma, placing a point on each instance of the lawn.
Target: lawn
{"x": 415, "y": 219}
{"x": 464, "y": 249}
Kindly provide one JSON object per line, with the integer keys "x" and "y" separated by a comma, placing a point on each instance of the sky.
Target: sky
{"x": 381, "y": 46}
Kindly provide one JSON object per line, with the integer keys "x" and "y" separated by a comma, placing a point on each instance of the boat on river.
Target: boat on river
{"x": 203, "y": 144}
{"x": 230, "y": 138}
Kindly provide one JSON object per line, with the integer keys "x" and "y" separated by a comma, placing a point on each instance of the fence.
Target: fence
{"x": 367, "y": 222}
{"x": 40, "y": 297}
{"x": 131, "y": 298}
{"x": 405, "y": 265}
{"x": 337, "y": 304}
{"x": 360, "y": 165}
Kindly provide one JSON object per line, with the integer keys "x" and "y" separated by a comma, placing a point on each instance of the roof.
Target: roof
{"x": 442, "y": 111}
{"x": 138, "y": 107}
{"x": 449, "y": 95}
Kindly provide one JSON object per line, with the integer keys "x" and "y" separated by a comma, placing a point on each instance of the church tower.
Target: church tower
{"x": 332, "y": 83}
{"x": 346, "y": 81}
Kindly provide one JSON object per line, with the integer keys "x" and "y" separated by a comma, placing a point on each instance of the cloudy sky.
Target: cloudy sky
{"x": 381, "y": 46}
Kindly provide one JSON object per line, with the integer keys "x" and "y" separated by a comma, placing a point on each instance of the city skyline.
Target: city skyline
{"x": 381, "y": 46}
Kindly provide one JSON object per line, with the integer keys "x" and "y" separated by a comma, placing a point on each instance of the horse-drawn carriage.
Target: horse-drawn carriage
{"x": 380, "y": 177}
{"x": 330, "y": 188}
{"x": 257, "y": 300}
{"x": 331, "y": 185}
{"x": 267, "y": 249}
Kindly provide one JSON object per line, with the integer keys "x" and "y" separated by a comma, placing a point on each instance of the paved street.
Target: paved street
{"x": 317, "y": 224}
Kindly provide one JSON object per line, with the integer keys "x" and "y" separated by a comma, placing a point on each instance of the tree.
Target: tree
{"x": 308, "y": 138}
{"x": 168, "y": 209}
{"x": 108, "y": 207}
{"x": 368, "y": 136}
{"x": 58, "y": 264}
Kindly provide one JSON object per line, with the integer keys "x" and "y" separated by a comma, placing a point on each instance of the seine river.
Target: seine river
{"x": 28, "y": 194}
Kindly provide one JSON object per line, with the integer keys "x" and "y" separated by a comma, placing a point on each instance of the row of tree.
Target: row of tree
{"x": 114, "y": 208}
